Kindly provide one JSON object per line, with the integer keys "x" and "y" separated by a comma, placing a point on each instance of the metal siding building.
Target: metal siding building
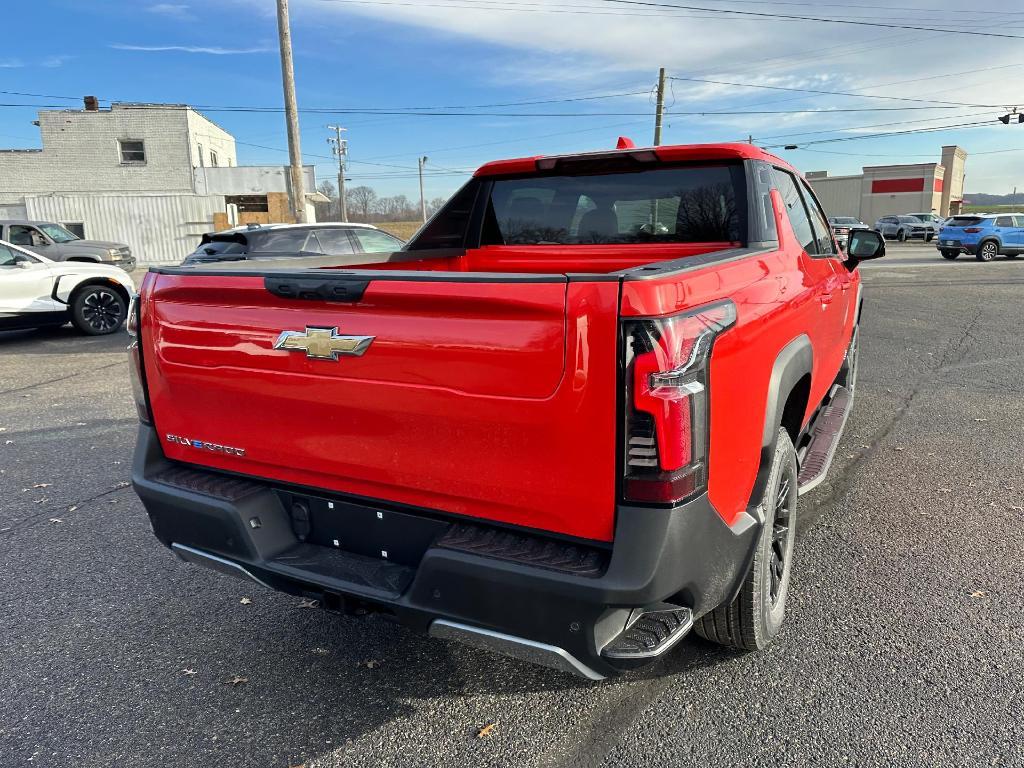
{"x": 158, "y": 228}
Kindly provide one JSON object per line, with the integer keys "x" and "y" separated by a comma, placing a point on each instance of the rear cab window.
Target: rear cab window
{"x": 964, "y": 221}
{"x": 676, "y": 204}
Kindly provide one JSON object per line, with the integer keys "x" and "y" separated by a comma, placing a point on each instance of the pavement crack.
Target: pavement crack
{"x": 62, "y": 378}
{"x": 48, "y": 512}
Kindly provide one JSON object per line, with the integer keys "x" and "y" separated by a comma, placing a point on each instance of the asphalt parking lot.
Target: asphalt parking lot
{"x": 903, "y": 644}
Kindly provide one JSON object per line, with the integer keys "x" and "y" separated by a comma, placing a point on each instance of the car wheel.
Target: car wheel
{"x": 98, "y": 309}
{"x": 988, "y": 250}
{"x": 950, "y": 254}
{"x": 753, "y": 619}
{"x": 901, "y": 236}
{"x": 929, "y": 237}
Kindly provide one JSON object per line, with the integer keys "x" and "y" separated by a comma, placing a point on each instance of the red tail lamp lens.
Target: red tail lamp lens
{"x": 666, "y": 394}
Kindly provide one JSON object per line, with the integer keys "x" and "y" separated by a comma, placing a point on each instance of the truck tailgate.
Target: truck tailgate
{"x": 493, "y": 399}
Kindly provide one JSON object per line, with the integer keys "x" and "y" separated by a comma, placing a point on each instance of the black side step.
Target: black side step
{"x": 826, "y": 431}
{"x": 649, "y": 633}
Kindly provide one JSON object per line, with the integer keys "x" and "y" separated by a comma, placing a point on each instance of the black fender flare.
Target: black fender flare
{"x": 794, "y": 361}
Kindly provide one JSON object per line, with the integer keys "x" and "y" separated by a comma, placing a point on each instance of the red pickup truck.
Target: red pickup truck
{"x": 568, "y": 422}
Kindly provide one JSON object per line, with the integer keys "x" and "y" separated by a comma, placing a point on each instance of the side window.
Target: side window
{"x": 1004, "y": 221}
{"x": 7, "y": 257}
{"x": 283, "y": 241}
{"x": 798, "y": 217}
{"x": 26, "y": 236}
{"x": 1019, "y": 221}
{"x": 821, "y": 228}
{"x": 373, "y": 241}
{"x": 449, "y": 226}
{"x": 333, "y": 241}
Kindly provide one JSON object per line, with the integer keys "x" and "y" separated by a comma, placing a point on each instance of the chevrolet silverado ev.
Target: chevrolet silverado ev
{"x": 568, "y": 422}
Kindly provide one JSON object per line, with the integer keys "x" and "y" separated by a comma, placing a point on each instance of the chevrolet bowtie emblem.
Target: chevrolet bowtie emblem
{"x": 321, "y": 343}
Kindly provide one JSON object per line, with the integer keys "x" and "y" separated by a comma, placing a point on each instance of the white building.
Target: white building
{"x": 888, "y": 190}
{"x": 155, "y": 176}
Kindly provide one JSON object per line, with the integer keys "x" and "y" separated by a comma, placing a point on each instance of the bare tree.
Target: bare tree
{"x": 435, "y": 205}
{"x": 361, "y": 201}
{"x": 327, "y": 211}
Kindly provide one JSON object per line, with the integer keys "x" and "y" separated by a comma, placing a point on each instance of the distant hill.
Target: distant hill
{"x": 980, "y": 198}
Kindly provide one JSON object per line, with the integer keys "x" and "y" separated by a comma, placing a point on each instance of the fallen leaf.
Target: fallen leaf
{"x": 981, "y": 419}
{"x": 979, "y": 593}
{"x": 307, "y": 603}
{"x": 40, "y": 501}
{"x": 188, "y": 672}
{"x": 484, "y": 732}
{"x": 897, "y": 448}
{"x": 41, "y": 485}
{"x": 122, "y": 484}
{"x": 8, "y": 442}
{"x": 245, "y": 601}
{"x": 72, "y": 508}
{"x": 56, "y": 520}
{"x": 236, "y": 681}
{"x": 369, "y": 664}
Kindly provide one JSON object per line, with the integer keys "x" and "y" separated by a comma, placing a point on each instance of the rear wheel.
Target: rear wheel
{"x": 950, "y": 254}
{"x": 901, "y": 236}
{"x": 988, "y": 250}
{"x": 98, "y": 309}
{"x": 928, "y": 237}
{"x": 753, "y": 619}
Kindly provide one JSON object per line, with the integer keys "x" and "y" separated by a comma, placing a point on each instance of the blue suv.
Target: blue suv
{"x": 985, "y": 235}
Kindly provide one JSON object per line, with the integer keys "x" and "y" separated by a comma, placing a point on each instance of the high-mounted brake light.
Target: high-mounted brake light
{"x": 666, "y": 395}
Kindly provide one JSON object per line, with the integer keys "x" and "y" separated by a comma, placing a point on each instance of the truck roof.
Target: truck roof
{"x": 664, "y": 153}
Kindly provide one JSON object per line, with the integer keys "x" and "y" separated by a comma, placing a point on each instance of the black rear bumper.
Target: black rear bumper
{"x": 514, "y": 591}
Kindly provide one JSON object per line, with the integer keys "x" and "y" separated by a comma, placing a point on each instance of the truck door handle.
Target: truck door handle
{"x": 826, "y": 298}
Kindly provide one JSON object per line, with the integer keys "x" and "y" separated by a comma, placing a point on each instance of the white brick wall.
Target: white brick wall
{"x": 81, "y": 154}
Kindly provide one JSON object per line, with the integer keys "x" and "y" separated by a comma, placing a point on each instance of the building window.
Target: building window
{"x": 77, "y": 228}
{"x": 133, "y": 151}
{"x": 202, "y": 160}
{"x": 248, "y": 203}
{"x": 213, "y": 158}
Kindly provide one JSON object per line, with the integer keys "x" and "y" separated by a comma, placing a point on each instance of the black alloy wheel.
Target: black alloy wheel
{"x": 98, "y": 310}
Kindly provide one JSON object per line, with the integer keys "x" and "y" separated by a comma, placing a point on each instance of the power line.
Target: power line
{"x": 908, "y": 132}
{"x": 819, "y": 19}
{"x": 834, "y": 93}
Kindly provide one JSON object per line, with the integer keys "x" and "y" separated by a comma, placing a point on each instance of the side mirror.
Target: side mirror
{"x": 864, "y": 244}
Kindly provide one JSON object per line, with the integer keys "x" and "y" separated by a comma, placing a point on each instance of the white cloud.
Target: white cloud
{"x": 213, "y": 50}
{"x": 172, "y": 10}
{"x": 11, "y": 63}
{"x": 52, "y": 62}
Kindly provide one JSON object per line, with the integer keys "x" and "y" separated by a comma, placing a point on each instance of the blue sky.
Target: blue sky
{"x": 397, "y": 54}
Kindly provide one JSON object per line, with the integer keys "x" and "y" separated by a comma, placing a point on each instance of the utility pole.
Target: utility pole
{"x": 341, "y": 150}
{"x": 661, "y": 107}
{"x": 423, "y": 199}
{"x": 296, "y": 192}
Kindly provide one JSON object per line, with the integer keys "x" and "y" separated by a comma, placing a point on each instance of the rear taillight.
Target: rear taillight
{"x": 972, "y": 230}
{"x": 136, "y": 371}
{"x": 666, "y": 389}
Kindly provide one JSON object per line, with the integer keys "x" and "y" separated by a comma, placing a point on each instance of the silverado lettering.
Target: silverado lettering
{"x": 598, "y": 385}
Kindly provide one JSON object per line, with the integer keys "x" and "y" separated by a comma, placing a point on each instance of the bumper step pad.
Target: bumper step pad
{"x": 826, "y": 432}
{"x": 342, "y": 571}
{"x": 526, "y": 549}
{"x": 649, "y": 634}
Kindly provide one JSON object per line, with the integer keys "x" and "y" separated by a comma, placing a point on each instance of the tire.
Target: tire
{"x": 987, "y": 251}
{"x": 901, "y": 236}
{"x": 754, "y": 618}
{"x": 929, "y": 237}
{"x": 950, "y": 254}
{"x": 97, "y": 310}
